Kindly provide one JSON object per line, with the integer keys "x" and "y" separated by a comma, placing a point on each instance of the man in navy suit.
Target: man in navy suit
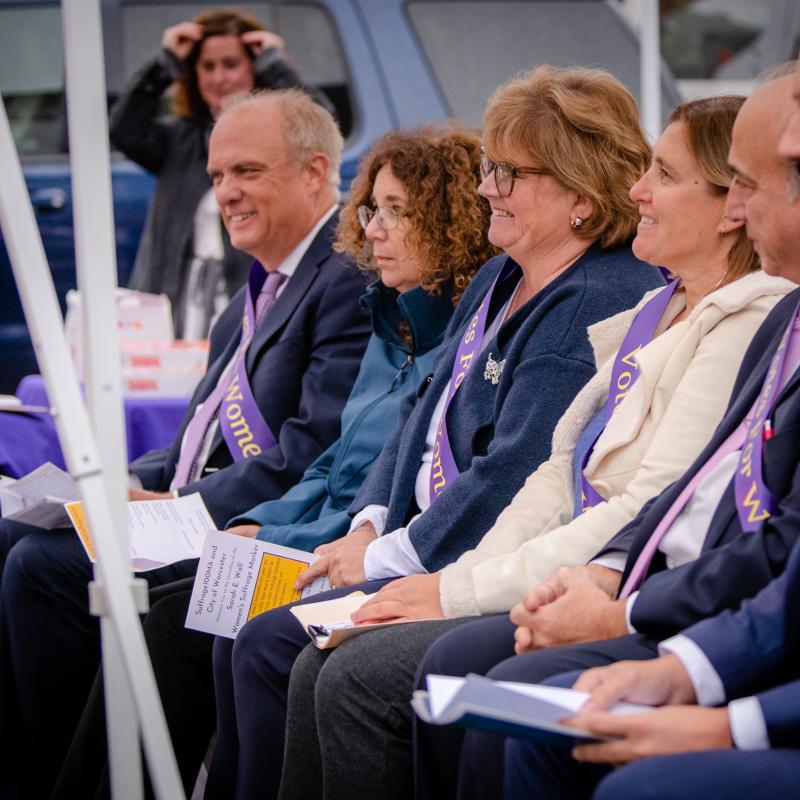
{"x": 577, "y": 619}
{"x": 748, "y": 660}
{"x": 283, "y": 357}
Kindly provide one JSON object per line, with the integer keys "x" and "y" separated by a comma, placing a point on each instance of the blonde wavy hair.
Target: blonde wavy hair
{"x": 582, "y": 126}
{"x": 439, "y": 167}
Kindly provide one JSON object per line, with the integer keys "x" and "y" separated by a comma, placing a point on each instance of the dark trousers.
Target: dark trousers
{"x": 451, "y": 762}
{"x": 349, "y": 718}
{"x": 251, "y": 677}
{"x": 49, "y": 651}
{"x": 181, "y": 660}
{"x": 551, "y": 772}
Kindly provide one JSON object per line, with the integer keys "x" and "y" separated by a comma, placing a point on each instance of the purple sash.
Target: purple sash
{"x": 443, "y": 466}
{"x": 625, "y": 373}
{"x": 245, "y": 432}
{"x": 754, "y": 501}
{"x": 243, "y": 427}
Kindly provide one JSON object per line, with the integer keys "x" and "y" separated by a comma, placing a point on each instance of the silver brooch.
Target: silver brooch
{"x": 493, "y": 371}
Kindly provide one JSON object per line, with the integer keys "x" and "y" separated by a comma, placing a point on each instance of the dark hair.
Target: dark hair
{"x": 439, "y": 167}
{"x": 708, "y": 125}
{"x": 186, "y": 100}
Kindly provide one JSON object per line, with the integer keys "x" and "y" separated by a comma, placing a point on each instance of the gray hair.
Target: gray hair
{"x": 308, "y": 128}
{"x": 767, "y": 76}
{"x": 773, "y": 73}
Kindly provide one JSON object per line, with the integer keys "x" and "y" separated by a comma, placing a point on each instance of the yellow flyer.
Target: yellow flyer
{"x": 239, "y": 578}
{"x": 159, "y": 531}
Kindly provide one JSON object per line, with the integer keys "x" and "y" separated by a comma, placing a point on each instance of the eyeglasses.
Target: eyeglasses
{"x": 387, "y": 217}
{"x": 506, "y": 174}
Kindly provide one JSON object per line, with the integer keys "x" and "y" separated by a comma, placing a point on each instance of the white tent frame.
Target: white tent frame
{"x": 133, "y": 705}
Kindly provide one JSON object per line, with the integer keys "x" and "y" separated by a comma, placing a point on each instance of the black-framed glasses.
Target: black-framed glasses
{"x": 388, "y": 218}
{"x": 506, "y": 174}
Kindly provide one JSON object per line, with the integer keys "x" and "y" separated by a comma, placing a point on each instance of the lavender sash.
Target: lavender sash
{"x": 443, "y": 467}
{"x": 754, "y": 501}
{"x": 625, "y": 373}
{"x": 244, "y": 429}
{"x": 243, "y": 426}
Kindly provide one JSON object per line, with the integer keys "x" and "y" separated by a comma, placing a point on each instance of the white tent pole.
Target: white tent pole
{"x": 43, "y": 316}
{"x": 97, "y": 272}
{"x": 650, "y": 67}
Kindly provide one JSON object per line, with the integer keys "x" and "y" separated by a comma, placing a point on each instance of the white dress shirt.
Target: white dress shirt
{"x": 287, "y": 267}
{"x": 682, "y": 544}
{"x": 207, "y": 242}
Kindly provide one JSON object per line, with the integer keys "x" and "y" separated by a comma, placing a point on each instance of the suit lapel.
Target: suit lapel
{"x": 294, "y": 292}
{"x": 726, "y": 509}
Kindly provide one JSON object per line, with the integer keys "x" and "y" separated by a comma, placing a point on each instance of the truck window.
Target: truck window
{"x": 32, "y": 78}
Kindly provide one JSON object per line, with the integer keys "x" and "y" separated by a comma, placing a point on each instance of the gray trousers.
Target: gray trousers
{"x": 349, "y": 721}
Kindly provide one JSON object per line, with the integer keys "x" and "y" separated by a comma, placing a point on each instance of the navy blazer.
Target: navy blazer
{"x": 501, "y": 432}
{"x": 756, "y": 651}
{"x": 301, "y": 364}
{"x": 732, "y": 565}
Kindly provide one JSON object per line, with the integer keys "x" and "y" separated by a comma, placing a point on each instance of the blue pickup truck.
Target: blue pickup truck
{"x": 383, "y": 64}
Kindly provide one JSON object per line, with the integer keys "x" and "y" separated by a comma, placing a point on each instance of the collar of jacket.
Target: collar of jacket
{"x": 425, "y": 314}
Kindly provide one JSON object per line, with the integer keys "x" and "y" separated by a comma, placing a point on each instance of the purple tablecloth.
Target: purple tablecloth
{"x": 28, "y": 440}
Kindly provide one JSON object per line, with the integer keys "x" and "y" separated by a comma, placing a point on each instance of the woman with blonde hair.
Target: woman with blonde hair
{"x": 633, "y": 431}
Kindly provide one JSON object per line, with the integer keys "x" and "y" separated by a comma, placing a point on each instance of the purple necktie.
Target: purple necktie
{"x": 197, "y": 429}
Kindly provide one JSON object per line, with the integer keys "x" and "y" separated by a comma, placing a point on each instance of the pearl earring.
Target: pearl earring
{"x": 576, "y": 223}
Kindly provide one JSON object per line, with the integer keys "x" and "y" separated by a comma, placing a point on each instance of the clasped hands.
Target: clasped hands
{"x": 181, "y": 38}
{"x": 576, "y": 604}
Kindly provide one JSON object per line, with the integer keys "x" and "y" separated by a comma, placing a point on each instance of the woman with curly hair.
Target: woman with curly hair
{"x": 561, "y": 154}
{"x": 416, "y": 223}
{"x": 185, "y": 251}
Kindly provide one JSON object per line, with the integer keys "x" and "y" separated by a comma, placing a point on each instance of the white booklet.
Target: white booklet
{"x": 161, "y": 531}
{"x": 521, "y": 710}
{"x": 38, "y": 498}
{"x": 238, "y": 578}
{"x": 328, "y": 622}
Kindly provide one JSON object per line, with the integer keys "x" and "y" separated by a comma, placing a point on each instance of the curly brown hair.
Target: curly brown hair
{"x": 186, "y": 99}
{"x": 439, "y": 167}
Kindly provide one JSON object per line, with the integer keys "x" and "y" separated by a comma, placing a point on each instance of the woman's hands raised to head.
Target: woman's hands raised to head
{"x": 256, "y": 41}
{"x": 181, "y": 38}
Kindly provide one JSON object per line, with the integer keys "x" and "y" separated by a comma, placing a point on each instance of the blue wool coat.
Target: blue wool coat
{"x": 500, "y": 433}
{"x": 315, "y": 510}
